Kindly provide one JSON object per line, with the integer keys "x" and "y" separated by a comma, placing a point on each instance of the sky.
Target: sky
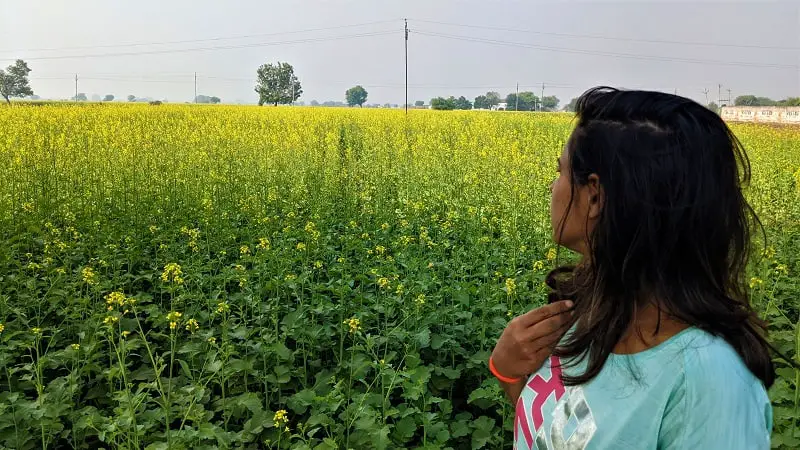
{"x": 455, "y": 47}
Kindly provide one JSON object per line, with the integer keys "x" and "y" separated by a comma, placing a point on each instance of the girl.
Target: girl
{"x": 656, "y": 345}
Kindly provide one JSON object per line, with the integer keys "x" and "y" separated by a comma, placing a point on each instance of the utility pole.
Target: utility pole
{"x": 292, "y": 81}
{"x": 406, "y": 34}
{"x": 516, "y": 107}
{"x": 729, "y": 97}
{"x": 705, "y": 91}
{"x": 541, "y": 99}
{"x": 719, "y": 95}
{"x": 195, "y": 87}
{"x": 76, "y": 87}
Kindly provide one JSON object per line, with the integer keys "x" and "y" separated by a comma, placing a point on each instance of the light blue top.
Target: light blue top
{"x": 690, "y": 392}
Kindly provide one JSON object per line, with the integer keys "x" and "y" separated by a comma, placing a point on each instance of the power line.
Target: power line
{"x": 610, "y": 38}
{"x": 602, "y": 53}
{"x": 226, "y": 47}
{"x": 189, "y": 41}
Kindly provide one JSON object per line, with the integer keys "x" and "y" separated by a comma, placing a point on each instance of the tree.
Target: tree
{"x": 492, "y": 98}
{"x": 527, "y": 101}
{"x": 419, "y": 103}
{"x": 791, "y": 101}
{"x": 356, "y": 96}
{"x": 108, "y": 98}
{"x": 277, "y": 83}
{"x": 314, "y": 103}
{"x": 550, "y": 103}
{"x": 443, "y": 103}
{"x": 463, "y": 103}
{"x": 14, "y": 81}
{"x": 131, "y": 98}
{"x": 215, "y": 100}
{"x": 570, "y": 107}
{"x": 81, "y": 97}
{"x": 752, "y": 100}
{"x": 487, "y": 101}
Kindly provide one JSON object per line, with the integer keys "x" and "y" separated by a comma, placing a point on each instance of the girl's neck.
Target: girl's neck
{"x": 650, "y": 328}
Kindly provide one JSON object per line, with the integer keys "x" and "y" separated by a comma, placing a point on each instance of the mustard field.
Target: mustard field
{"x": 197, "y": 277}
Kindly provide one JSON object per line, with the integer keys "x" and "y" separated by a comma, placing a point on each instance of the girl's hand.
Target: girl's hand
{"x": 529, "y": 339}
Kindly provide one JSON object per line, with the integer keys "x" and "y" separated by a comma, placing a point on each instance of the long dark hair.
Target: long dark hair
{"x": 674, "y": 230}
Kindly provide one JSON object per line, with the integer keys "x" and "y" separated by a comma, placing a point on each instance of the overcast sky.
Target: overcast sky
{"x": 484, "y": 45}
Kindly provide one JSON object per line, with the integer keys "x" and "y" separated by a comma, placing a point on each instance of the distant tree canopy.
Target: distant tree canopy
{"x": 419, "y": 103}
{"x": 527, "y": 101}
{"x": 451, "y": 103}
{"x": 442, "y": 103}
{"x": 713, "y": 107}
{"x": 791, "y": 101}
{"x": 14, "y": 81}
{"x": 550, "y": 103}
{"x": 752, "y": 100}
{"x": 81, "y": 97}
{"x": 131, "y": 98}
{"x": 570, "y": 107}
{"x": 487, "y": 101}
{"x": 108, "y": 98}
{"x": 481, "y": 102}
{"x": 356, "y": 95}
{"x": 277, "y": 83}
{"x": 463, "y": 103}
{"x": 207, "y": 99}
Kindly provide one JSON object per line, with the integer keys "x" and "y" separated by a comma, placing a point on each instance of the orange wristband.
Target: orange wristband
{"x": 497, "y": 375}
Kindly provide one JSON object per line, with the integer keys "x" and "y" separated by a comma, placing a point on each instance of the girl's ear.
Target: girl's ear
{"x": 596, "y": 196}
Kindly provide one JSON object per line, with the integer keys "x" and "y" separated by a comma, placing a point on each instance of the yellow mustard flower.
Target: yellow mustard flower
{"x": 192, "y": 325}
{"x": 511, "y": 286}
{"x": 110, "y": 320}
{"x": 89, "y": 277}
{"x": 353, "y": 324}
{"x": 280, "y": 418}
{"x": 172, "y": 274}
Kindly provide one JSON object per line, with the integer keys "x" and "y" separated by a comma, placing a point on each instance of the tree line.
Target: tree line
{"x": 277, "y": 84}
{"x": 524, "y": 101}
{"x": 752, "y": 100}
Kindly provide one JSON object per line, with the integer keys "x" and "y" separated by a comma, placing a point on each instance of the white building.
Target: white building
{"x": 763, "y": 114}
{"x": 500, "y": 106}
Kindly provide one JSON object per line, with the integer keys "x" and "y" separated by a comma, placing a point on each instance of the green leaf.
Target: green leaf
{"x": 405, "y": 428}
{"x": 282, "y": 351}
{"x": 300, "y": 401}
{"x": 482, "y": 433}
{"x": 424, "y": 338}
{"x": 380, "y": 438}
